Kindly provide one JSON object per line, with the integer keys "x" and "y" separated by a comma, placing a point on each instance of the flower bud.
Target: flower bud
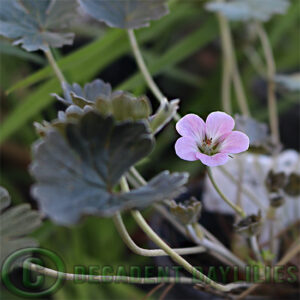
{"x": 276, "y": 199}
{"x": 186, "y": 212}
{"x": 292, "y": 187}
{"x": 275, "y": 181}
{"x": 250, "y": 225}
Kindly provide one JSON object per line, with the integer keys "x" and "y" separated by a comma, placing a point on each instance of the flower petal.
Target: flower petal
{"x": 235, "y": 142}
{"x": 186, "y": 148}
{"x": 214, "y": 160}
{"x": 218, "y": 124}
{"x": 192, "y": 126}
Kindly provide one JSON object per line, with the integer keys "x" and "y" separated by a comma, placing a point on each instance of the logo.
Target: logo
{"x": 34, "y": 284}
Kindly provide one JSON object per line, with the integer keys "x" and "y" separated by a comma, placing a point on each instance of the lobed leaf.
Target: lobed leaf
{"x": 37, "y": 24}
{"x": 76, "y": 172}
{"x": 16, "y": 223}
{"x": 128, "y": 14}
{"x": 164, "y": 115}
{"x": 98, "y": 95}
{"x": 245, "y": 10}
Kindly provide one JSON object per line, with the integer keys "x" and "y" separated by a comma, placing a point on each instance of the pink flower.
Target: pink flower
{"x": 209, "y": 142}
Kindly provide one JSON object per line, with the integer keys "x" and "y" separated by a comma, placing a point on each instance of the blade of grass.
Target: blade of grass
{"x": 71, "y": 61}
{"x": 183, "y": 49}
{"x": 99, "y": 48}
{"x": 81, "y": 66}
{"x": 7, "y": 48}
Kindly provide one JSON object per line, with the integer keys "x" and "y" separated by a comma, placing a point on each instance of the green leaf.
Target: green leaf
{"x": 4, "y": 198}
{"x": 7, "y": 48}
{"x": 37, "y": 24}
{"x": 164, "y": 115}
{"x": 85, "y": 66}
{"x": 76, "y": 172}
{"x": 128, "y": 14}
{"x": 16, "y": 223}
{"x": 28, "y": 108}
{"x": 79, "y": 58}
{"x": 245, "y": 10}
{"x": 89, "y": 60}
{"x": 103, "y": 51}
{"x": 176, "y": 54}
{"x": 99, "y": 95}
{"x": 87, "y": 95}
{"x": 125, "y": 106}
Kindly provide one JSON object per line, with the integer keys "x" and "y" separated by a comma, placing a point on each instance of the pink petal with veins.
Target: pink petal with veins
{"x": 218, "y": 124}
{"x": 186, "y": 148}
{"x": 214, "y": 160}
{"x": 192, "y": 126}
{"x": 235, "y": 142}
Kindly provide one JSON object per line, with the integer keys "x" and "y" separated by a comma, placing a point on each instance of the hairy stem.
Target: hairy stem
{"x": 145, "y": 72}
{"x": 229, "y": 54}
{"x": 244, "y": 189}
{"x": 55, "y": 67}
{"x": 215, "y": 247}
{"x": 271, "y": 71}
{"x": 143, "y": 68}
{"x": 180, "y": 228}
{"x": 227, "y": 69}
{"x": 255, "y": 248}
{"x": 108, "y": 278}
{"x": 294, "y": 250}
{"x": 177, "y": 258}
{"x": 148, "y": 252}
{"x": 239, "y": 210}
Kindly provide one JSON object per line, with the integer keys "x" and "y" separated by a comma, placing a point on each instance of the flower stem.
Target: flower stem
{"x": 227, "y": 69}
{"x": 226, "y": 103}
{"x": 244, "y": 189}
{"x": 145, "y": 72}
{"x": 55, "y": 67}
{"x": 220, "y": 250}
{"x": 180, "y": 228}
{"x": 271, "y": 70}
{"x": 143, "y": 68}
{"x": 108, "y": 279}
{"x": 239, "y": 210}
{"x": 255, "y": 248}
{"x": 229, "y": 54}
{"x": 293, "y": 250}
{"x": 148, "y": 252}
{"x": 177, "y": 258}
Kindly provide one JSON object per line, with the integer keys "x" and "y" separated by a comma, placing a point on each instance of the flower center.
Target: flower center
{"x": 208, "y": 147}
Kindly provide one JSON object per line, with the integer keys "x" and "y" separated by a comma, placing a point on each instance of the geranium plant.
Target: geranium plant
{"x": 84, "y": 162}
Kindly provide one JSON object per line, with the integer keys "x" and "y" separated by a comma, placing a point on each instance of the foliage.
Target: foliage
{"x": 122, "y": 105}
{"x": 37, "y": 24}
{"x": 16, "y": 223}
{"x": 182, "y": 52}
{"x": 77, "y": 168}
{"x": 130, "y": 14}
